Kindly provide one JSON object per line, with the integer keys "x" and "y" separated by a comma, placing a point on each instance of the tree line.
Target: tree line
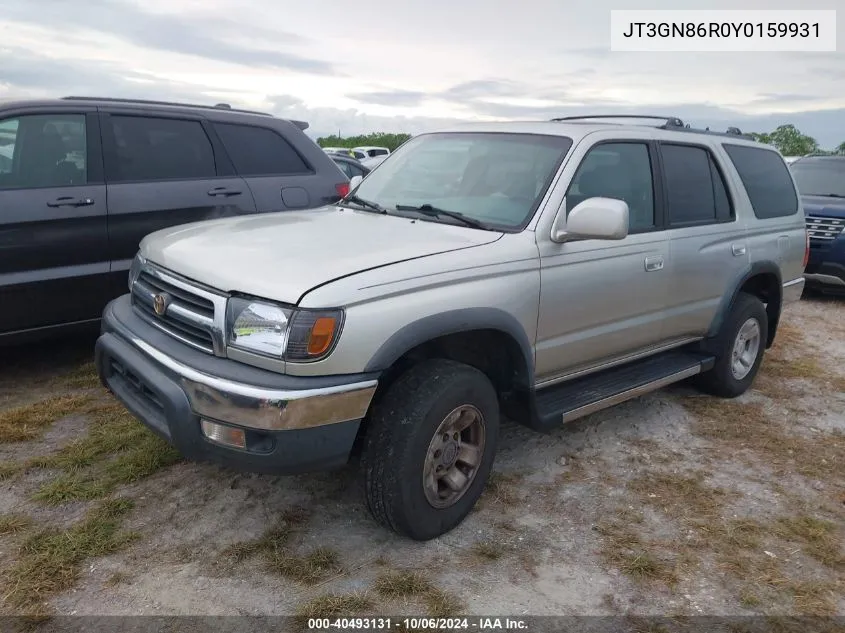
{"x": 379, "y": 139}
{"x": 789, "y": 140}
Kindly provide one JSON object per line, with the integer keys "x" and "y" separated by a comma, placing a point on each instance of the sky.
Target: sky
{"x": 409, "y": 66}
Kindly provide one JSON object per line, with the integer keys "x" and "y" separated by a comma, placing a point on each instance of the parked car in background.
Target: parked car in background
{"x": 346, "y": 151}
{"x": 790, "y": 159}
{"x": 821, "y": 182}
{"x": 83, "y": 180}
{"x": 374, "y": 161}
{"x": 350, "y": 166}
{"x": 545, "y": 270}
{"x": 371, "y": 151}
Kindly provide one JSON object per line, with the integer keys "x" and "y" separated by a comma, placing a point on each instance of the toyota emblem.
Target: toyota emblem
{"x": 160, "y": 303}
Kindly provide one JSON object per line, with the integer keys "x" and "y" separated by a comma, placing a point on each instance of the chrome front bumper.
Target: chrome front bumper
{"x": 261, "y": 408}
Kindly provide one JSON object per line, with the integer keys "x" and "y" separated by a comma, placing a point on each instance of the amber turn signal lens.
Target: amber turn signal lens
{"x": 321, "y": 336}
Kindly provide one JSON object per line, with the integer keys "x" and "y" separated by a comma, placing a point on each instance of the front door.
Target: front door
{"x": 53, "y": 239}
{"x": 603, "y": 300}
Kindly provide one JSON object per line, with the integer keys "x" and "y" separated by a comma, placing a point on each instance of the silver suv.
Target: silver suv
{"x": 539, "y": 270}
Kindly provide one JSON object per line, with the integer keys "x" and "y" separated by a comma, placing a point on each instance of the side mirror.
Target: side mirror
{"x": 355, "y": 181}
{"x": 592, "y": 219}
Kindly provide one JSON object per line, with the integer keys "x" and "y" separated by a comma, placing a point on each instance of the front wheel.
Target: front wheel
{"x": 429, "y": 448}
{"x": 739, "y": 349}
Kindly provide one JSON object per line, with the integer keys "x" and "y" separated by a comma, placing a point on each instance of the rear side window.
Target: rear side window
{"x": 696, "y": 192}
{"x": 257, "y": 151}
{"x": 766, "y": 179}
{"x": 149, "y": 148}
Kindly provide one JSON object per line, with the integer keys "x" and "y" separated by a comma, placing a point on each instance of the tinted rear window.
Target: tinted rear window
{"x": 766, "y": 179}
{"x": 820, "y": 177}
{"x": 257, "y": 151}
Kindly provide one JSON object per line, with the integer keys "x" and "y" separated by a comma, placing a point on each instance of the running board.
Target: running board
{"x": 582, "y": 396}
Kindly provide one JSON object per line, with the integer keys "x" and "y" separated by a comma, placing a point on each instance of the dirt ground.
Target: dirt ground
{"x": 671, "y": 504}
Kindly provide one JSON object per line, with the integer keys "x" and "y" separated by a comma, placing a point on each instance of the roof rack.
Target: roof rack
{"x": 669, "y": 123}
{"x": 218, "y": 106}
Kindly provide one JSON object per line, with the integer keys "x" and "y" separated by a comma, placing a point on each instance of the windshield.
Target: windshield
{"x": 495, "y": 178}
{"x": 820, "y": 178}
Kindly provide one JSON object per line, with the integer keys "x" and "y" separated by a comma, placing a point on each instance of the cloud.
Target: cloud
{"x": 402, "y": 98}
{"x": 211, "y": 38}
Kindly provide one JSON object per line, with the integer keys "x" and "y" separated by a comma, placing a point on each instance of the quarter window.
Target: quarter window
{"x": 43, "y": 150}
{"x": 257, "y": 151}
{"x": 621, "y": 171}
{"x": 766, "y": 179}
{"x": 149, "y": 148}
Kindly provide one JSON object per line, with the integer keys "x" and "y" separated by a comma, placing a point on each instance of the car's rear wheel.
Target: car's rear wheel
{"x": 429, "y": 447}
{"x": 739, "y": 349}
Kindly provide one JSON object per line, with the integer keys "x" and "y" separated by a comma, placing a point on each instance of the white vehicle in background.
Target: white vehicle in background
{"x": 345, "y": 151}
{"x": 790, "y": 159}
{"x": 371, "y": 151}
{"x": 374, "y": 161}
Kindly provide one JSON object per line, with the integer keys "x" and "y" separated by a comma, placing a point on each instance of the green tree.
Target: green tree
{"x": 380, "y": 139}
{"x": 840, "y": 149}
{"x": 789, "y": 140}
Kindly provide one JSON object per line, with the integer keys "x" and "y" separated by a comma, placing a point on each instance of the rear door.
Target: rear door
{"x": 53, "y": 242}
{"x": 708, "y": 243}
{"x": 161, "y": 171}
{"x": 279, "y": 174}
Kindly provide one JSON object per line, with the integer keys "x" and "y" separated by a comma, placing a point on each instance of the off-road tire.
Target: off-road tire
{"x": 401, "y": 426}
{"x": 720, "y": 380}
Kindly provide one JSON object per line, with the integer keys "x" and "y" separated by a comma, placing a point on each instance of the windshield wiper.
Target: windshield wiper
{"x": 366, "y": 204}
{"x": 433, "y": 212}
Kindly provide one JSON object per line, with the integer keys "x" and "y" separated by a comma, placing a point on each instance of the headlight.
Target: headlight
{"x": 281, "y": 332}
{"x": 135, "y": 270}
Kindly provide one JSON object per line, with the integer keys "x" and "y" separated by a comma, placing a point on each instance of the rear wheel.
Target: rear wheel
{"x": 429, "y": 448}
{"x": 739, "y": 349}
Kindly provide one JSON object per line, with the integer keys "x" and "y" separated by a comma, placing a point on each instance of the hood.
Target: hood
{"x": 824, "y": 206}
{"x": 283, "y": 255}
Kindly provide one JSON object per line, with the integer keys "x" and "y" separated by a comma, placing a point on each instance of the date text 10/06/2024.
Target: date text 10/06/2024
{"x": 321, "y": 625}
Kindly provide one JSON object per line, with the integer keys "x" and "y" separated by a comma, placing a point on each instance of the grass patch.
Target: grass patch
{"x": 501, "y": 489}
{"x": 736, "y": 426}
{"x": 819, "y": 538}
{"x": 11, "y": 469}
{"x": 333, "y": 606}
{"x": 117, "y": 450}
{"x": 623, "y": 549}
{"x": 310, "y": 569}
{"x": 117, "y": 578}
{"x": 83, "y": 377}
{"x": 14, "y": 523}
{"x": 680, "y": 495}
{"x": 413, "y": 585}
{"x": 50, "y": 560}
{"x": 488, "y": 550}
{"x": 272, "y": 547}
{"x": 29, "y": 422}
{"x": 813, "y": 598}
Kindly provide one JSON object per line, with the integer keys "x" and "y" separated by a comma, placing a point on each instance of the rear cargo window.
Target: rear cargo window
{"x": 766, "y": 179}
{"x": 257, "y": 151}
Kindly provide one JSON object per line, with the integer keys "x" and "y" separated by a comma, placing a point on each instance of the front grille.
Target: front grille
{"x": 189, "y": 315}
{"x": 824, "y": 229}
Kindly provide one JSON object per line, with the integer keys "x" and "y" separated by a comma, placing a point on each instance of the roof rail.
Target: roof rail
{"x": 669, "y": 123}
{"x": 176, "y": 104}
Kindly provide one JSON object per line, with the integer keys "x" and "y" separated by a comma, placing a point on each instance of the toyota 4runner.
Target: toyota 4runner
{"x": 539, "y": 270}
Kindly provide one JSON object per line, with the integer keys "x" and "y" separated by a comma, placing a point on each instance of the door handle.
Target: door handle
{"x": 223, "y": 191}
{"x": 653, "y": 263}
{"x": 738, "y": 250}
{"x": 67, "y": 201}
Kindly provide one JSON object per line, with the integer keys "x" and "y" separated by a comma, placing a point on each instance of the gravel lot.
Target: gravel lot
{"x": 672, "y": 504}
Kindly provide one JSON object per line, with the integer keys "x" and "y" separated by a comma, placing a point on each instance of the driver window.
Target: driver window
{"x": 621, "y": 171}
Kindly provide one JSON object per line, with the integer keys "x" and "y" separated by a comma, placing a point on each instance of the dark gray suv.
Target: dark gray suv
{"x": 83, "y": 180}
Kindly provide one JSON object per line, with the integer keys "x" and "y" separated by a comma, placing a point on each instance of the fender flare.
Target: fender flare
{"x": 453, "y": 322}
{"x": 773, "y": 308}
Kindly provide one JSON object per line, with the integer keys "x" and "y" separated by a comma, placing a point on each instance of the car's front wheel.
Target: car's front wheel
{"x": 430, "y": 444}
